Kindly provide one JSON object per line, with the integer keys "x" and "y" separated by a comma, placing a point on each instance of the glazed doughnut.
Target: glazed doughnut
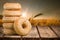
{"x": 11, "y": 13}
{"x": 8, "y": 25}
{"x": 22, "y": 26}
{"x": 9, "y": 19}
{"x": 8, "y": 31}
{"x": 12, "y": 6}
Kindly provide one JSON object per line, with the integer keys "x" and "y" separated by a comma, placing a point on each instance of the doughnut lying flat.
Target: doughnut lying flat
{"x": 12, "y": 6}
{"x": 8, "y": 25}
{"x": 22, "y": 26}
{"x": 8, "y": 31}
{"x": 9, "y": 19}
{"x": 11, "y": 13}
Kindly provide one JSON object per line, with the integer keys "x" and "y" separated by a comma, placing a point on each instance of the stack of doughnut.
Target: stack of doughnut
{"x": 13, "y": 22}
{"x": 11, "y": 12}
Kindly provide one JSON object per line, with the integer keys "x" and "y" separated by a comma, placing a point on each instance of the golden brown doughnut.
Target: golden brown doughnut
{"x": 9, "y": 19}
{"x": 11, "y": 13}
{"x": 22, "y": 26}
{"x": 8, "y": 25}
{"x": 8, "y": 31}
{"x": 12, "y": 6}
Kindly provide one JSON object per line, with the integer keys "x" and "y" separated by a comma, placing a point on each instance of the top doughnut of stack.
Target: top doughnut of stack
{"x": 12, "y": 6}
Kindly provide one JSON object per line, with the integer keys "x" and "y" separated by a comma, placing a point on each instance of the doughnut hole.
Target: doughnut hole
{"x": 23, "y": 25}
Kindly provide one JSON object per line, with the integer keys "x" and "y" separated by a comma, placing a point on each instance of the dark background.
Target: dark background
{"x": 50, "y": 8}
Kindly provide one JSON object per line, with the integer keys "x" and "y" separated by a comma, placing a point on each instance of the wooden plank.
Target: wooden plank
{"x": 56, "y": 29}
{"x": 46, "y": 32}
{"x": 12, "y": 36}
{"x": 33, "y": 33}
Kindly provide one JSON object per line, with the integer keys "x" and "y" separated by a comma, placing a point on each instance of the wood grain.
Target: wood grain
{"x": 32, "y": 34}
{"x": 12, "y": 36}
{"x": 46, "y": 32}
{"x": 57, "y": 30}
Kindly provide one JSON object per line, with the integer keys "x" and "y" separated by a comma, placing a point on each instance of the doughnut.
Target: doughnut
{"x": 12, "y": 6}
{"x": 8, "y": 31}
{"x": 22, "y": 26}
{"x": 9, "y": 19}
{"x": 11, "y": 13}
{"x": 8, "y": 25}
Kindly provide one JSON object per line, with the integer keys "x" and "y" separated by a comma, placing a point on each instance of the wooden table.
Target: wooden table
{"x": 37, "y": 33}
